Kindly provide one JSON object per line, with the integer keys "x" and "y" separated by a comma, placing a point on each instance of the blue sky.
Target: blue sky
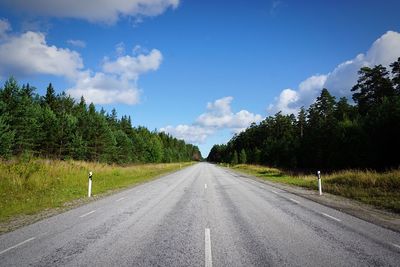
{"x": 200, "y": 70}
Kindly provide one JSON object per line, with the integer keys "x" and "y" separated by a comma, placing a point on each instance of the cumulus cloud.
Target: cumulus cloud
{"x": 341, "y": 79}
{"x": 218, "y": 116}
{"x": 190, "y": 133}
{"x": 77, "y": 43}
{"x": 102, "y": 88}
{"x": 117, "y": 83}
{"x": 92, "y": 10}
{"x": 130, "y": 67}
{"x": 29, "y": 53}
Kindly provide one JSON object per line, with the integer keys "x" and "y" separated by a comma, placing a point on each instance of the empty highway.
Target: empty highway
{"x": 203, "y": 215}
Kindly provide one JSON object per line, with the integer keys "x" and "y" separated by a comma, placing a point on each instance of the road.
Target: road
{"x": 201, "y": 216}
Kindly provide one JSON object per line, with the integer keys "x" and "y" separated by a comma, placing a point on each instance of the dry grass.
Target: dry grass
{"x": 371, "y": 187}
{"x": 30, "y": 186}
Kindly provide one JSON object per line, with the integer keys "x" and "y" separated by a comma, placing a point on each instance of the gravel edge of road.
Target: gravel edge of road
{"x": 352, "y": 207}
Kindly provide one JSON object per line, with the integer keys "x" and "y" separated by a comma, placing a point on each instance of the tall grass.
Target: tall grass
{"x": 28, "y": 186}
{"x": 379, "y": 189}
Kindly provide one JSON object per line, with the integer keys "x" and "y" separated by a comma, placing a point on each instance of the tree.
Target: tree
{"x": 58, "y": 127}
{"x": 6, "y": 139}
{"x": 372, "y": 86}
{"x": 50, "y": 98}
{"x": 123, "y": 147}
{"x": 396, "y": 75}
{"x": 77, "y": 147}
{"x": 234, "y": 160}
{"x": 243, "y": 156}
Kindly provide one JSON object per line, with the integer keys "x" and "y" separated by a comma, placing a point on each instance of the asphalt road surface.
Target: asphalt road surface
{"x": 201, "y": 216}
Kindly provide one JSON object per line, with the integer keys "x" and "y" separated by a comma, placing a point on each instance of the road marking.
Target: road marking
{"x": 205, "y": 186}
{"x": 208, "y": 259}
{"x": 397, "y": 246}
{"x": 329, "y": 216}
{"x": 17, "y": 245}
{"x": 294, "y": 200}
{"x": 273, "y": 191}
{"x": 86, "y": 214}
{"x": 118, "y": 200}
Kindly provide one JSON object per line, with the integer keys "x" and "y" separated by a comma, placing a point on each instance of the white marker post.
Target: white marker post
{"x": 319, "y": 183}
{"x": 90, "y": 184}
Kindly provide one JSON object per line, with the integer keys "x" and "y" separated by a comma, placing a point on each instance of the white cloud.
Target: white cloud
{"x": 117, "y": 83}
{"x": 218, "y": 116}
{"x": 29, "y": 53}
{"x": 190, "y": 133}
{"x": 102, "y": 88}
{"x": 92, "y": 10}
{"x": 339, "y": 82}
{"x": 284, "y": 102}
{"x": 130, "y": 67}
{"x": 77, "y": 43}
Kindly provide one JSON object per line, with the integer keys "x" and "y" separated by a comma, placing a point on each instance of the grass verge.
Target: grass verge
{"x": 381, "y": 190}
{"x": 31, "y": 186}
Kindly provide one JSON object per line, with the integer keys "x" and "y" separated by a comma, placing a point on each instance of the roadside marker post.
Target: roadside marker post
{"x": 319, "y": 183}
{"x": 90, "y": 184}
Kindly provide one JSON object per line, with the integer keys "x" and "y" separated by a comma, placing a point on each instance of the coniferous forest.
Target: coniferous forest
{"x": 56, "y": 126}
{"x": 331, "y": 134}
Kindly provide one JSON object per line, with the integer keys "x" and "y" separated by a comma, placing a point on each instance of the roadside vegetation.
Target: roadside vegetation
{"x": 28, "y": 186}
{"x": 380, "y": 189}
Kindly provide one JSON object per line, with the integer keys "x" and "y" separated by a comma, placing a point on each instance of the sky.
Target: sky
{"x": 198, "y": 70}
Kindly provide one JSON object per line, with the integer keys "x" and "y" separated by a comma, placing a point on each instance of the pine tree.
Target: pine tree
{"x": 396, "y": 75}
{"x": 6, "y": 139}
{"x": 372, "y": 87}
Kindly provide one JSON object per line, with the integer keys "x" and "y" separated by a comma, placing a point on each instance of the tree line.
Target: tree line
{"x": 331, "y": 134}
{"x": 56, "y": 126}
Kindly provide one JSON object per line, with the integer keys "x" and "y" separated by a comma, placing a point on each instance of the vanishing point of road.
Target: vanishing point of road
{"x": 203, "y": 215}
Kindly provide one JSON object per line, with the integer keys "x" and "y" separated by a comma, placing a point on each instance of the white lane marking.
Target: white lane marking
{"x": 86, "y": 214}
{"x": 397, "y": 246}
{"x": 273, "y": 191}
{"x": 17, "y": 245}
{"x": 294, "y": 200}
{"x": 208, "y": 259}
{"x": 118, "y": 200}
{"x": 329, "y": 216}
{"x": 205, "y": 186}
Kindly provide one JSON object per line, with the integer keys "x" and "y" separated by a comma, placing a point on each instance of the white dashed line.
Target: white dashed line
{"x": 273, "y": 191}
{"x": 208, "y": 259}
{"x": 118, "y": 200}
{"x": 397, "y": 246}
{"x": 294, "y": 200}
{"x": 329, "y": 216}
{"x": 86, "y": 214}
{"x": 17, "y": 245}
{"x": 205, "y": 186}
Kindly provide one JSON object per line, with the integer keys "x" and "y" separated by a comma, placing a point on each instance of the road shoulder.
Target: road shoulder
{"x": 357, "y": 209}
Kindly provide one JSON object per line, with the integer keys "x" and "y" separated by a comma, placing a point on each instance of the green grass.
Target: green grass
{"x": 30, "y": 186}
{"x": 379, "y": 189}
